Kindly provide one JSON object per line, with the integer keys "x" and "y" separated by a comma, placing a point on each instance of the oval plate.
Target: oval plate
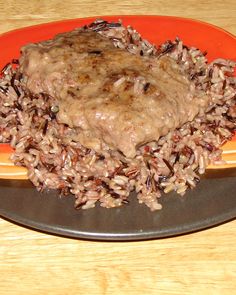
{"x": 211, "y": 203}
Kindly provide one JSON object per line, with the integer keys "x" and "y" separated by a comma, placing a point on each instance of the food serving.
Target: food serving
{"x": 99, "y": 112}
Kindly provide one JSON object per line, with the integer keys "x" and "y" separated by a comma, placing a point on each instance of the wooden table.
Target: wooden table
{"x": 36, "y": 263}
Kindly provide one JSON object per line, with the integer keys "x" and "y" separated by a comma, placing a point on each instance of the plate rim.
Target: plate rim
{"x": 65, "y": 232}
{"x": 173, "y": 17}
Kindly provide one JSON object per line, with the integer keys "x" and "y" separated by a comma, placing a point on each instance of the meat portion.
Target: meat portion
{"x": 114, "y": 98}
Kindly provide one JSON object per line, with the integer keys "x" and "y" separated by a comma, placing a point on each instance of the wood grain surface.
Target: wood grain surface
{"x": 35, "y": 263}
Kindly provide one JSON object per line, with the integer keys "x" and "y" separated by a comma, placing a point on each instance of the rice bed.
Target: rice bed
{"x": 173, "y": 163}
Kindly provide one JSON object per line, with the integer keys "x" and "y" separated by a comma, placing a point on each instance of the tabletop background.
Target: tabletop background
{"x": 35, "y": 263}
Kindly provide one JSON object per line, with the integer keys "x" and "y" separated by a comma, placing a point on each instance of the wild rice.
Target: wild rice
{"x": 174, "y": 162}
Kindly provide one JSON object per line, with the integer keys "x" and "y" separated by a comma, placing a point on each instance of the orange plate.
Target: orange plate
{"x": 156, "y": 29}
{"x": 204, "y": 206}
